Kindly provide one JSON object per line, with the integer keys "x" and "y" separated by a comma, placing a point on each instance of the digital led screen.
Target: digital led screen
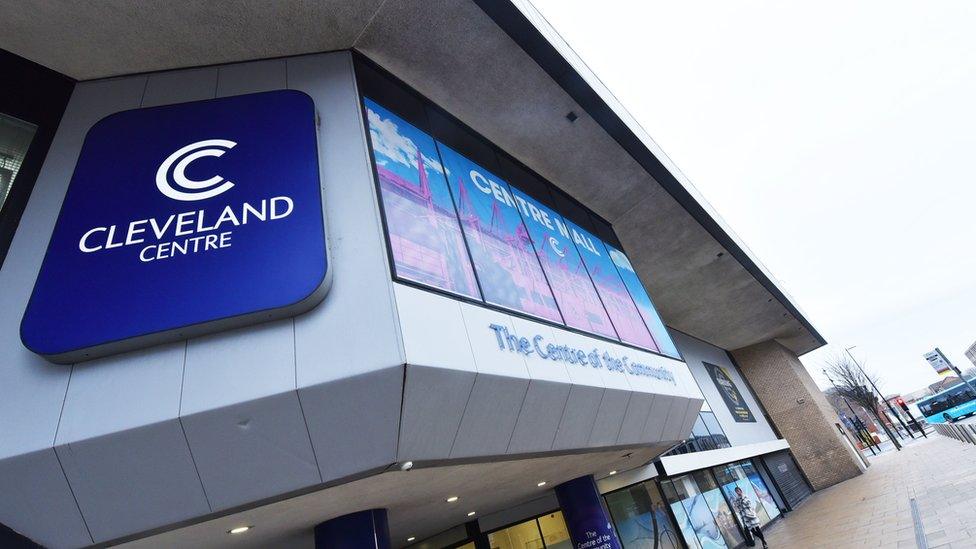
{"x": 421, "y": 223}
{"x": 643, "y": 301}
{"x": 620, "y": 306}
{"x": 454, "y": 225}
{"x": 501, "y": 250}
{"x": 578, "y": 301}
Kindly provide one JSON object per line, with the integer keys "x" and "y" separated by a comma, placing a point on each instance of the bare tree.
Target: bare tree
{"x": 854, "y": 385}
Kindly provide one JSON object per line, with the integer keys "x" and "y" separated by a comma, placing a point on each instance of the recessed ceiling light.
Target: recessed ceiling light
{"x": 613, "y": 472}
{"x": 239, "y": 530}
{"x": 541, "y": 483}
{"x": 411, "y": 538}
{"x": 471, "y": 514}
{"x": 452, "y": 499}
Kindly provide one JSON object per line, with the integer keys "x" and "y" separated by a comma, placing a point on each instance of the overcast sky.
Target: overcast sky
{"x": 838, "y": 140}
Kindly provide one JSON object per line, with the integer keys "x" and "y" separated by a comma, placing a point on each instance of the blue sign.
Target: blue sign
{"x": 586, "y": 519}
{"x": 181, "y": 220}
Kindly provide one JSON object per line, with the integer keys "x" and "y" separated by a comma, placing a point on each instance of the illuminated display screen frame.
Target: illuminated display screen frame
{"x": 404, "y": 107}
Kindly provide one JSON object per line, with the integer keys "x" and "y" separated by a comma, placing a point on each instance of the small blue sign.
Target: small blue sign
{"x": 182, "y": 220}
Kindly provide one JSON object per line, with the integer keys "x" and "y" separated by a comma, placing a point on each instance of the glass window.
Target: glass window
{"x": 501, "y": 250}
{"x": 684, "y": 522}
{"x": 716, "y": 434}
{"x": 732, "y": 476}
{"x": 15, "y": 139}
{"x": 700, "y": 518}
{"x": 554, "y": 531}
{"x": 421, "y": 223}
{"x": 623, "y": 313}
{"x": 700, "y": 438}
{"x": 521, "y": 536}
{"x": 719, "y": 507}
{"x": 641, "y": 520}
{"x": 453, "y": 223}
{"x": 762, "y": 491}
{"x": 578, "y": 301}
{"x": 652, "y": 320}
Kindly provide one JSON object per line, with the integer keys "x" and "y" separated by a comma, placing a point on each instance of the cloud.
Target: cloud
{"x": 388, "y": 141}
{"x": 621, "y": 260}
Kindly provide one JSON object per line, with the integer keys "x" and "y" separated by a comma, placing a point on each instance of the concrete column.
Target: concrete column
{"x": 800, "y": 411}
{"x": 361, "y": 530}
{"x": 586, "y": 518}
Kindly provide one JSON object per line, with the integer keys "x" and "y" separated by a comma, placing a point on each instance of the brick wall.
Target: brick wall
{"x": 800, "y": 412}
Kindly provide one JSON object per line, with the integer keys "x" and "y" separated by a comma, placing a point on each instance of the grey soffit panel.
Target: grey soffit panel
{"x": 433, "y": 404}
{"x": 107, "y": 39}
{"x": 354, "y": 422}
{"x": 134, "y": 481}
{"x": 355, "y": 327}
{"x": 539, "y": 416}
{"x": 251, "y": 451}
{"x": 556, "y": 58}
{"x": 489, "y": 416}
{"x": 37, "y": 501}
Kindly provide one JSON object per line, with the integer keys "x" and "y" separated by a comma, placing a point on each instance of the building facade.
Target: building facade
{"x": 383, "y": 269}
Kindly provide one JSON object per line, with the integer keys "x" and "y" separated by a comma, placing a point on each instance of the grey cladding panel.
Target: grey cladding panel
{"x": 252, "y": 451}
{"x": 180, "y": 86}
{"x": 632, "y": 428}
{"x": 120, "y": 392}
{"x": 606, "y": 426}
{"x": 354, "y": 330}
{"x": 433, "y": 403}
{"x": 579, "y": 415}
{"x": 489, "y": 416}
{"x": 659, "y": 416}
{"x": 32, "y": 389}
{"x": 36, "y": 500}
{"x": 354, "y": 422}
{"x": 133, "y": 481}
{"x": 254, "y": 77}
{"x": 240, "y": 365}
{"x": 539, "y": 417}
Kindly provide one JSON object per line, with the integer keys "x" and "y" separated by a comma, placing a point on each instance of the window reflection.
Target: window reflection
{"x": 521, "y": 536}
{"x": 641, "y": 519}
{"x": 554, "y": 531}
{"x": 706, "y": 434}
{"x": 719, "y": 507}
{"x": 15, "y": 138}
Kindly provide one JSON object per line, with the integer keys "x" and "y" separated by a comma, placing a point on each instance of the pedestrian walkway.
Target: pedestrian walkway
{"x": 875, "y": 509}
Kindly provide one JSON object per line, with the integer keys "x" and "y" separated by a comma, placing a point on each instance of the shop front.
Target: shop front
{"x": 694, "y": 509}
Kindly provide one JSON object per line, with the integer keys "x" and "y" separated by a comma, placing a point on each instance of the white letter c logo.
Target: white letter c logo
{"x": 207, "y": 188}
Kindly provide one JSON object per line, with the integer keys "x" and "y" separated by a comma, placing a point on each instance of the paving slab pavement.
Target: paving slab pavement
{"x": 875, "y": 509}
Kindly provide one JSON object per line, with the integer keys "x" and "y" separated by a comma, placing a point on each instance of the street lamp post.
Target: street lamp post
{"x": 881, "y": 396}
